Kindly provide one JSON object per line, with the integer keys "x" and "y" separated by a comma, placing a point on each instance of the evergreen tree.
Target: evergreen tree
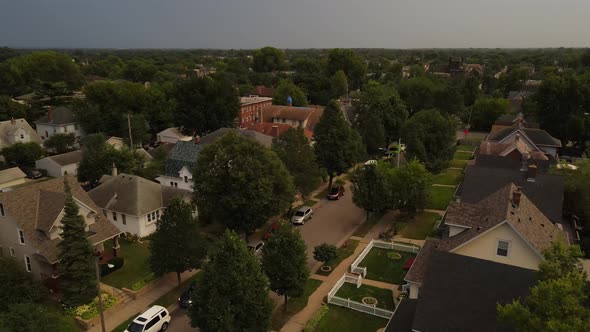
{"x": 284, "y": 260}
{"x": 76, "y": 257}
{"x": 177, "y": 245}
{"x": 233, "y": 292}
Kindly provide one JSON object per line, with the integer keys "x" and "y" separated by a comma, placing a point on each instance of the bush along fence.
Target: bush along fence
{"x": 358, "y": 306}
{"x": 355, "y": 268}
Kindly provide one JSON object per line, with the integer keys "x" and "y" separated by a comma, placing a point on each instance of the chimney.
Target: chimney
{"x": 516, "y": 196}
{"x": 274, "y": 132}
{"x": 50, "y": 114}
{"x": 114, "y": 170}
{"x": 532, "y": 173}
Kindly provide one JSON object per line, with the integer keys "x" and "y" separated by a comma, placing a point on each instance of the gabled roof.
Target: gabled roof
{"x": 133, "y": 195}
{"x": 33, "y": 207}
{"x": 60, "y": 115}
{"x": 184, "y": 154}
{"x": 67, "y": 158}
{"x": 266, "y": 128}
{"x": 11, "y": 174}
{"x": 460, "y": 293}
{"x": 8, "y": 127}
{"x": 251, "y": 134}
{"x": 287, "y": 112}
{"x": 538, "y": 137}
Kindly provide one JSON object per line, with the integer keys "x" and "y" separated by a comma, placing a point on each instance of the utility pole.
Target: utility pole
{"x": 129, "y": 127}
{"x": 399, "y": 152}
{"x": 99, "y": 297}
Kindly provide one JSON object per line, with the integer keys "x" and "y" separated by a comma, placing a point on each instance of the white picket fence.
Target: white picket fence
{"x": 358, "y": 306}
{"x": 355, "y": 268}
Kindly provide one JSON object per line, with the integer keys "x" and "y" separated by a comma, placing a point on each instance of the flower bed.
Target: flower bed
{"x": 89, "y": 311}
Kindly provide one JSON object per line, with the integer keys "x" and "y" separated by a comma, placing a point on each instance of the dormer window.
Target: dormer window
{"x": 502, "y": 249}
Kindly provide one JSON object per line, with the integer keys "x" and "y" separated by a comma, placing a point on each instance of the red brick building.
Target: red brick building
{"x": 251, "y": 110}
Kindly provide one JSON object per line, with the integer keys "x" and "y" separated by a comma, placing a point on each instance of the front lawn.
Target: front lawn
{"x": 294, "y": 305}
{"x": 456, "y": 163}
{"x": 418, "y": 226}
{"x": 461, "y": 155}
{"x": 135, "y": 267}
{"x": 363, "y": 229}
{"x": 383, "y": 268}
{"x": 347, "y": 320}
{"x": 449, "y": 177}
{"x": 465, "y": 148}
{"x": 440, "y": 197}
{"x": 384, "y": 296}
{"x": 342, "y": 253}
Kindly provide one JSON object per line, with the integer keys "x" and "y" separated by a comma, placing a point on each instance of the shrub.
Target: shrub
{"x": 324, "y": 252}
{"x": 89, "y": 311}
{"x": 116, "y": 261}
{"x": 317, "y": 317}
{"x": 139, "y": 284}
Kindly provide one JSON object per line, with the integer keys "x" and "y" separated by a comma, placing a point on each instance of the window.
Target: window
{"x": 171, "y": 184}
{"x": 21, "y": 236}
{"x": 114, "y": 216}
{"x": 1, "y": 252}
{"x": 152, "y": 323}
{"x": 22, "y": 136}
{"x": 123, "y": 219}
{"x": 12, "y": 252}
{"x": 46, "y": 134}
{"x": 149, "y": 215}
{"x": 185, "y": 179}
{"x": 502, "y": 248}
{"x": 2, "y": 210}
{"x": 157, "y": 214}
{"x": 28, "y": 263}
{"x": 163, "y": 314}
{"x": 66, "y": 129}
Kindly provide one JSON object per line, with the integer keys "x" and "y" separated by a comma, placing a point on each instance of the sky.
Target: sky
{"x": 248, "y": 24}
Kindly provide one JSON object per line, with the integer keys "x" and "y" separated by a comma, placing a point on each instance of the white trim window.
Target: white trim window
{"x": 21, "y": 236}
{"x": 123, "y": 219}
{"x": 28, "y": 263}
{"x": 153, "y": 216}
{"x": 12, "y": 252}
{"x": 502, "y": 249}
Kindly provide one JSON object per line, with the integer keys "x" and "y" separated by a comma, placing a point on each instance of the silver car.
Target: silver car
{"x": 256, "y": 247}
{"x": 304, "y": 213}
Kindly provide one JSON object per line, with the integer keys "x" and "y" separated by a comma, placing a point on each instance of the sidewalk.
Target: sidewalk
{"x": 136, "y": 306}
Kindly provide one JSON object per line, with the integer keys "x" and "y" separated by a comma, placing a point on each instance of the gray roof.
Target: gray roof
{"x": 184, "y": 154}
{"x": 537, "y": 136}
{"x": 251, "y": 134}
{"x": 460, "y": 293}
{"x": 133, "y": 195}
{"x": 67, "y": 158}
{"x": 59, "y": 116}
{"x": 11, "y": 174}
{"x": 403, "y": 317}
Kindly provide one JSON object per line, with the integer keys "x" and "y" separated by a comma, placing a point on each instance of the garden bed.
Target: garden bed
{"x": 440, "y": 197}
{"x": 418, "y": 226}
{"x": 384, "y": 296}
{"x": 382, "y": 268}
{"x": 341, "y": 254}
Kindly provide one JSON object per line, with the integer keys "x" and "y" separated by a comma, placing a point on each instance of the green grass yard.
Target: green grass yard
{"x": 418, "y": 226}
{"x": 135, "y": 267}
{"x": 382, "y": 268}
{"x": 458, "y": 163}
{"x": 347, "y": 320}
{"x": 342, "y": 254}
{"x": 384, "y": 296}
{"x": 294, "y": 305}
{"x": 440, "y": 197}
{"x": 449, "y": 177}
{"x": 465, "y": 148}
{"x": 461, "y": 155}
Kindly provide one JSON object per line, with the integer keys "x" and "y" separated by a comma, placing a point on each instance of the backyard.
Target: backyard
{"x": 418, "y": 226}
{"x": 382, "y": 265}
{"x": 341, "y": 254}
{"x": 294, "y": 305}
{"x": 384, "y": 296}
{"x": 448, "y": 177}
{"x": 347, "y": 320}
{"x": 440, "y": 197}
{"x": 136, "y": 264}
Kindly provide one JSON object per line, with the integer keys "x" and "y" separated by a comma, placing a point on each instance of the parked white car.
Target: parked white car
{"x": 256, "y": 247}
{"x": 153, "y": 319}
{"x": 304, "y": 213}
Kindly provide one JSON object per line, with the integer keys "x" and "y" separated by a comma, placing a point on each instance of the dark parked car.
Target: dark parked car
{"x": 336, "y": 192}
{"x": 185, "y": 301}
{"x": 32, "y": 173}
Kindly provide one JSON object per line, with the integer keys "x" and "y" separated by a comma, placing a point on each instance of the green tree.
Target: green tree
{"x": 177, "y": 245}
{"x": 325, "y": 252}
{"x": 410, "y": 186}
{"x": 350, "y": 63}
{"x": 559, "y": 301}
{"x": 9, "y": 109}
{"x": 430, "y": 137}
{"x": 23, "y": 153}
{"x": 577, "y": 190}
{"x": 294, "y": 150}
{"x": 76, "y": 257}
{"x": 418, "y": 93}
{"x": 61, "y": 143}
{"x": 371, "y": 190}
{"x": 205, "y": 104}
{"x": 268, "y": 59}
{"x": 258, "y": 182}
{"x": 337, "y": 145}
{"x": 339, "y": 83}
{"x": 18, "y": 285}
{"x": 284, "y": 261}
{"x": 31, "y": 317}
{"x": 42, "y": 67}
{"x": 487, "y": 110}
{"x": 232, "y": 294}
{"x": 288, "y": 89}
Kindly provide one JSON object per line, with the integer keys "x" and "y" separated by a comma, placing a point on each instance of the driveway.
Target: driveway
{"x": 180, "y": 322}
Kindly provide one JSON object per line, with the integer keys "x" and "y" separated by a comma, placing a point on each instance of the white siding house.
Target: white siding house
{"x": 59, "y": 120}
{"x": 61, "y": 164}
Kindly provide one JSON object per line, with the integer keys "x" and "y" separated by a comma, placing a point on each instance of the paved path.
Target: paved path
{"x": 134, "y": 307}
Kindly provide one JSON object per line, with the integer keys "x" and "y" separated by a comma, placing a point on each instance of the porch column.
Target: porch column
{"x": 115, "y": 245}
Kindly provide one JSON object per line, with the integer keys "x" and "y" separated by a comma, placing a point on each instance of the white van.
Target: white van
{"x": 153, "y": 319}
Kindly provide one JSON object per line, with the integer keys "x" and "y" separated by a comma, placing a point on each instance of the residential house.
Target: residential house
{"x": 31, "y": 98}
{"x": 59, "y": 120}
{"x": 172, "y": 135}
{"x": 17, "y": 131}
{"x": 30, "y": 225}
{"x": 263, "y": 139}
{"x": 461, "y": 293}
{"x": 132, "y": 203}
{"x": 273, "y": 130}
{"x": 117, "y": 142}
{"x": 506, "y": 227}
{"x": 180, "y": 164}
{"x": 297, "y": 117}
{"x": 61, "y": 164}
{"x": 531, "y": 139}
{"x": 251, "y": 110}
{"x": 12, "y": 177}
{"x": 517, "y": 98}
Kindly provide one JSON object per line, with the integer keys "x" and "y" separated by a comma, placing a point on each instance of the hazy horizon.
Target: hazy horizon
{"x": 303, "y": 24}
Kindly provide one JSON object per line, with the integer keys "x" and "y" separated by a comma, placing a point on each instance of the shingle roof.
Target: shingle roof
{"x": 460, "y": 293}
{"x": 59, "y": 116}
{"x": 184, "y": 154}
{"x": 537, "y": 136}
{"x": 403, "y": 317}
{"x": 258, "y": 137}
{"x": 10, "y": 126}
{"x": 11, "y": 174}
{"x": 172, "y": 131}
{"x": 41, "y": 199}
{"x": 287, "y": 112}
{"x": 67, "y": 158}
